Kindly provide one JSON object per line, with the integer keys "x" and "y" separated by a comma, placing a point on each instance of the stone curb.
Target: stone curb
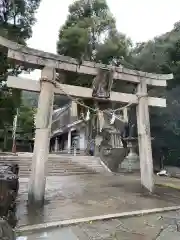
{"x": 171, "y": 185}
{"x": 65, "y": 223}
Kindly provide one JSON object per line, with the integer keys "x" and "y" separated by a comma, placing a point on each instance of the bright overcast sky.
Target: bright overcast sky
{"x": 139, "y": 19}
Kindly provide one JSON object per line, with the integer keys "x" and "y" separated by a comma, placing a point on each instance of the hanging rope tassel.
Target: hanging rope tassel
{"x": 113, "y": 119}
{"x": 101, "y": 120}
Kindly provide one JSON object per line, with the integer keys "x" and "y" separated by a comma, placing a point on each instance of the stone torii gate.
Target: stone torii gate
{"x": 50, "y": 63}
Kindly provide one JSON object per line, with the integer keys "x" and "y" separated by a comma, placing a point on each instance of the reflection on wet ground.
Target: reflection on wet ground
{"x": 56, "y": 234}
{"x": 80, "y": 196}
{"x": 150, "y": 227}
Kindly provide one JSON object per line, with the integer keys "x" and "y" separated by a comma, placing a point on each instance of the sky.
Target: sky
{"x": 140, "y": 20}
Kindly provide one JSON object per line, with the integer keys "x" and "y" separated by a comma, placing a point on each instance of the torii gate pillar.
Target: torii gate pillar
{"x": 42, "y": 136}
{"x": 144, "y": 137}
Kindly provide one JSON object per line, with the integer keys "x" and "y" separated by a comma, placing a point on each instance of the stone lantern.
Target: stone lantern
{"x": 131, "y": 162}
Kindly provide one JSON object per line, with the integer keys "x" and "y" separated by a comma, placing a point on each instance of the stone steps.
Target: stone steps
{"x": 57, "y": 165}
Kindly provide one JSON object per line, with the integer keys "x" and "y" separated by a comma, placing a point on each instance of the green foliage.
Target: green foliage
{"x": 19, "y": 19}
{"x": 83, "y": 29}
{"x": 114, "y": 50}
{"x": 89, "y": 33}
{"x": 26, "y": 121}
{"x": 162, "y": 55}
{"x": 29, "y": 99}
{"x": 16, "y": 26}
{"x": 73, "y": 41}
{"x": 9, "y": 100}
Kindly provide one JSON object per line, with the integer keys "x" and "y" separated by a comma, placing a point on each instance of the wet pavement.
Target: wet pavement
{"x": 56, "y": 234}
{"x": 150, "y": 227}
{"x": 82, "y": 196}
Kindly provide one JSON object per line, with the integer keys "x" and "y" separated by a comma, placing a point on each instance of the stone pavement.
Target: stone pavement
{"x": 91, "y": 195}
{"x": 149, "y": 227}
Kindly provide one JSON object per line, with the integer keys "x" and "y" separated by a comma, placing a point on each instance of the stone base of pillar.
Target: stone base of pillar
{"x": 131, "y": 163}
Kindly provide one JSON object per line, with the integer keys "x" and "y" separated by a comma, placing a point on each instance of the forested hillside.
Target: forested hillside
{"x": 162, "y": 55}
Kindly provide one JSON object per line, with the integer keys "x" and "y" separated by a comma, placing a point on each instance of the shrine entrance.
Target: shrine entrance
{"x": 101, "y": 92}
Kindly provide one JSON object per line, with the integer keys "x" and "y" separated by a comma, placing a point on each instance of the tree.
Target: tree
{"x": 162, "y": 55}
{"x": 15, "y": 24}
{"x": 29, "y": 99}
{"x": 115, "y": 49}
{"x": 26, "y": 124}
{"x": 89, "y": 33}
{"x": 83, "y": 28}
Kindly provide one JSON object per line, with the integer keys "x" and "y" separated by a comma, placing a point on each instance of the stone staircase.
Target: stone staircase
{"x": 58, "y": 165}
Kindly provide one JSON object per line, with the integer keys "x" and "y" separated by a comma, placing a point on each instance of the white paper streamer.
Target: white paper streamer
{"x": 15, "y": 124}
{"x": 113, "y": 119}
{"x": 101, "y": 120}
{"x": 87, "y": 115}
